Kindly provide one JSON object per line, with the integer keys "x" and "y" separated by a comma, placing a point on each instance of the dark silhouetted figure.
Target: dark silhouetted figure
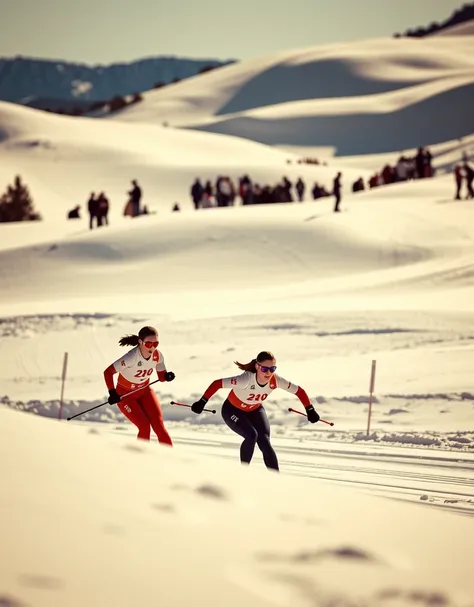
{"x": 458, "y": 178}
{"x": 287, "y": 185}
{"x": 336, "y": 190}
{"x": 469, "y": 173}
{"x": 135, "y": 196}
{"x": 102, "y": 210}
{"x": 300, "y": 189}
{"x": 74, "y": 213}
{"x": 246, "y": 190}
{"x": 197, "y": 192}
{"x": 93, "y": 209}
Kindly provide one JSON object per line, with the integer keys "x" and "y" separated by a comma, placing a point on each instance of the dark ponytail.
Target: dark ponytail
{"x": 252, "y": 365}
{"x": 132, "y": 340}
{"x": 129, "y": 340}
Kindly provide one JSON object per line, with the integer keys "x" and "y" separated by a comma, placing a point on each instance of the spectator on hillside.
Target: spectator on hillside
{"x": 401, "y": 169}
{"x": 246, "y": 190}
{"x": 319, "y": 191}
{"x": 374, "y": 181}
{"x": 337, "y": 192}
{"x": 420, "y": 164}
{"x": 300, "y": 189}
{"x": 74, "y": 213}
{"x": 458, "y": 177}
{"x": 196, "y": 193}
{"x": 387, "y": 174}
{"x": 225, "y": 191}
{"x": 316, "y": 191}
{"x": 423, "y": 163}
{"x": 136, "y": 195}
{"x": 208, "y": 189}
{"x": 92, "y": 209}
{"x": 102, "y": 210}
{"x": 469, "y": 174}
{"x": 358, "y": 186}
{"x": 287, "y": 185}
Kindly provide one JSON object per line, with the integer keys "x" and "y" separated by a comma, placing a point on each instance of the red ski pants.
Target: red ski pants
{"x": 143, "y": 409}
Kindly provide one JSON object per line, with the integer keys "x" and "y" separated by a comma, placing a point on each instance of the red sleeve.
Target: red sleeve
{"x": 161, "y": 375}
{"x": 304, "y": 398}
{"x": 109, "y": 377}
{"x": 216, "y": 385}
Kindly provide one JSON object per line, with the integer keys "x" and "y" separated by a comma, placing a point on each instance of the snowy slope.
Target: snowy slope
{"x": 373, "y": 96}
{"x": 338, "y": 290}
{"x": 389, "y": 279}
{"x": 91, "y": 520}
{"x": 105, "y": 155}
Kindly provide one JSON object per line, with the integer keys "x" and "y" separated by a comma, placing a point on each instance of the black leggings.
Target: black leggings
{"x": 253, "y": 426}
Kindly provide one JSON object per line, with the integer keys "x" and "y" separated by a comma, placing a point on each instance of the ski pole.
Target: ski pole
{"x": 304, "y": 414}
{"x": 107, "y": 402}
{"x": 183, "y": 405}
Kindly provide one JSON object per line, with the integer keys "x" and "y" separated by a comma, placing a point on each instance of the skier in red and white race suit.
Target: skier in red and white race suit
{"x": 243, "y": 409}
{"x": 135, "y": 367}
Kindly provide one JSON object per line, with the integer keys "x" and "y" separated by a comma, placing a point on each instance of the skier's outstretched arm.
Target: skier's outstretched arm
{"x": 301, "y": 394}
{"x": 225, "y": 382}
{"x": 199, "y": 405}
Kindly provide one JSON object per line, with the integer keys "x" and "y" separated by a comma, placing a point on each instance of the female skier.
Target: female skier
{"x": 243, "y": 409}
{"x": 142, "y": 407}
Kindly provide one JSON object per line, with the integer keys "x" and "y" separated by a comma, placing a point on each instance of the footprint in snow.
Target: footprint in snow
{"x": 45, "y": 582}
{"x": 212, "y": 491}
{"x": 135, "y": 448}
{"x": 346, "y": 553}
{"x": 207, "y": 490}
{"x": 418, "y": 598}
{"x": 164, "y": 507}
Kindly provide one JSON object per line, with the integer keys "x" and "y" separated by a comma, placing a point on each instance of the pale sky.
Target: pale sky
{"x": 110, "y": 31}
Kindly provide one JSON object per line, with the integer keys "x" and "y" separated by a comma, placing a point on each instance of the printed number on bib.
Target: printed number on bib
{"x": 143, "y": 372}
{"x": 257, "y": 397}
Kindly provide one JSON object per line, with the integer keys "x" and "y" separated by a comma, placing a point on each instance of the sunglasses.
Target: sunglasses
{"x": 266, "y": 369}
{"x": 150, "y": 344}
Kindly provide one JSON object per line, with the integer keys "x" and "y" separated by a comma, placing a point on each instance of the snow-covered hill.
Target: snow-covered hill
{"x": 372, "y": 96}
{"x": 103, "y": 155}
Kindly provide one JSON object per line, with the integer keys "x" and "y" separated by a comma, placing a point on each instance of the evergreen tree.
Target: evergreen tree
{"x": 16, "y": 203}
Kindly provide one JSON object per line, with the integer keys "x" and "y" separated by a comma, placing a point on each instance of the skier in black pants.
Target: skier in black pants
{"x": 243, "y": 409}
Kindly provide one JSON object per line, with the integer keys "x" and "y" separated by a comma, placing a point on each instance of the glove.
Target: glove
{"x": 312, "y": 414}
{"x": 114, "y": 398}
{"x": 199, "y": 405}
{"x": 169, "y": 376}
